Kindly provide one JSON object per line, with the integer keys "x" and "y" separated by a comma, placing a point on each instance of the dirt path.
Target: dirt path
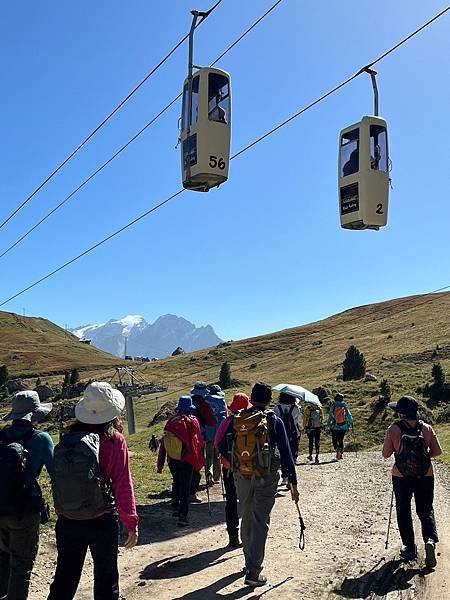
{"x": 345, "y": 507}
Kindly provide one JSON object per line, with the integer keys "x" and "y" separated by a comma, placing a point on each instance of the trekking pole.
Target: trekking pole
{"x": 389, "y": 522}
{"x": 222, "y": 484}
{"x": 301, "y": 542}
{"x": 207, "y": 494}
{"x": 354, "y": 441}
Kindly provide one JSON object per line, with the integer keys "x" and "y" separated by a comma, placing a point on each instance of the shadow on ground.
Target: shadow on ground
{"x": 181, "y": 566}
{"x": 392, "y": 576}
{"x": 157, "y": 523}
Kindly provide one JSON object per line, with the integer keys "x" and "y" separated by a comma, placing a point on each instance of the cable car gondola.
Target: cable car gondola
{"x": 205, "y": 125}
{"x": 364, "y": 171}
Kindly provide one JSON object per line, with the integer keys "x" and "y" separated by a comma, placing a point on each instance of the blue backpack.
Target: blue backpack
{"x": 219, "y": 407}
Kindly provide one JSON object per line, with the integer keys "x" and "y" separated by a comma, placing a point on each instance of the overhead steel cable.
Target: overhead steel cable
{"x": 344, "y": 83}
{"x": 135, "y": 137}
{"x": 378, "y": 308}
{"x": 270, "y": 132}
{"x": 106, "y": 119}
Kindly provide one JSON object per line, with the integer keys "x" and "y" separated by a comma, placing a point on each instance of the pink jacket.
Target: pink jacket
{"x": 115, "y": 467}
{"x": 219, "y": 436}
{"x": 393, "y": 439}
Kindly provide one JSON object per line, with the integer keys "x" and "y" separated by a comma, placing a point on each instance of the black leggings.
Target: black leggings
{"x": 231, "y": 505}
{"x": 337, "y": 437}
{"x": 73, "y": 538}
{"x": 314, "y": 440}
{"x": 422, "y": 488}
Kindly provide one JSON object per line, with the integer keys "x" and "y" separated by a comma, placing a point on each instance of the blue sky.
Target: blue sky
{"x": 265, "y": 251}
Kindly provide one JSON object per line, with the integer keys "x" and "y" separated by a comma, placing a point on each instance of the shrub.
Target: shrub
{"x": 4, "y": 376}
{"x": 385, "y": 390}
{"x": 354, "y": 365}
{"x": 225, "y": 376}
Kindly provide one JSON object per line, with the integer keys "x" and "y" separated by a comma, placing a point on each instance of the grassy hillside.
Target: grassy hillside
{"x": 400, "y": 339}
{"x": 31, "y": 346}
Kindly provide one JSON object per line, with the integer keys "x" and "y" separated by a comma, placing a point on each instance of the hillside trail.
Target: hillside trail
{"x": 345, "y": 507}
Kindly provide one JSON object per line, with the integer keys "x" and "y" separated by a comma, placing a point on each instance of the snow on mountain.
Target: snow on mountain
{"x": 143, "y": 339}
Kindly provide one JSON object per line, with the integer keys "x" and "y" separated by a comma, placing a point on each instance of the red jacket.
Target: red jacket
{"x": 187, "y": 429}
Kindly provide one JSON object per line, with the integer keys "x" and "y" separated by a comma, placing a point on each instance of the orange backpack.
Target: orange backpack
{"x": 339, "y": 415}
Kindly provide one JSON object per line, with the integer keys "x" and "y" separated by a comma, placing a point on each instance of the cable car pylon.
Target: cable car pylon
{"x": 205, "y": 134}
{"x": 364, "y": 169}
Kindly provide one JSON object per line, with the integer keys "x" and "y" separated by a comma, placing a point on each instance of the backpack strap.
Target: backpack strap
{"x": 407, "y": 429}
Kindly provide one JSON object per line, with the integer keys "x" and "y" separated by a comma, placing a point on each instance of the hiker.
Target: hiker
{"x": 92, "y": 489}
{"x": 153, "y": 444}
{"x": 413, "y": 443}
{"x": 339, "y": 420}
{"x": 240, "y": 402}
{"x": 255, "y": 436}
{"x": 205, "y": 416}
{"x": 182, "y": 444}
{"x": 313, "y": 423}
{"x": 290, "y": 413}
{"x": 23, "y": 452}
{"x": 203, "y": 410}
{"x": 216, "y": 399}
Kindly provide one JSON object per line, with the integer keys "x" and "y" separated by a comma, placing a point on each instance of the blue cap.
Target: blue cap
{"x": 185, "y": 405}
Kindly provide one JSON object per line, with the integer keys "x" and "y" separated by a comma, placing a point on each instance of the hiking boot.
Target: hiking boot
{"x": 233, "y": 541}
{"x": 254, "y": 580}
{"x": 430, "y": 554}
{"x": 337, "y": 454}
{"x": 194, "y": 499}
{"x": 408, "y": 553}
{"x": 182, "y": 521}
{"x": 309, "y": 457}
{"x": 317, "y": 461}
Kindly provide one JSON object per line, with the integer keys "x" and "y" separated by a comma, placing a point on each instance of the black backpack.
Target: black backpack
{"x": 79, "y": 489}
{"x": 413, "y": 459}
{"x": 288, "y": 420}
{"x": 16, "y": 493}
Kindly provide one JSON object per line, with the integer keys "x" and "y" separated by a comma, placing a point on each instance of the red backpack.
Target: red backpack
{"x": 339, "y": 415}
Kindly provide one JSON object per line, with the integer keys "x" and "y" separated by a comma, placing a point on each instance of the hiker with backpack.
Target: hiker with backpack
{"x": 339, "y": 420}
{"x": 182, "y": 444}
{"x": 313, "y": 423}
{"x": 413, "y": 443}
{"x": 255, "y": 444}
{"x": 290, "y": 413}
{"x": 216, "y": 399}
{"x": 23, "y": 452}
{"x": 240, "y": 402}
{"x": 92, "y": 490}
{"x": 205, "y": 415}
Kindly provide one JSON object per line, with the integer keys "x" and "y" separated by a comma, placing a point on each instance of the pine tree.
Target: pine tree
{"x": 385, "y": 390}
{"x": 74, "y": 377}
{"x": 438, "y": 374}
{"x": 66, "y": 382}
{"x": 354, "y": 365}
{"x": 225, "y": 376}
{"x": 4, "y": 376}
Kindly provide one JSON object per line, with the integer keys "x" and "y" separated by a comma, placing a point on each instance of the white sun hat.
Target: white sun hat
{"x": 100, "y": 403}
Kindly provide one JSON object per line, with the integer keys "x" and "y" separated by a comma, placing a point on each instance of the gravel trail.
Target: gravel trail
{"x": 345, "y": 507}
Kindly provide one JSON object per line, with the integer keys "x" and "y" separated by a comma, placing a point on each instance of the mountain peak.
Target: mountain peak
{"x": 143, "y": 339}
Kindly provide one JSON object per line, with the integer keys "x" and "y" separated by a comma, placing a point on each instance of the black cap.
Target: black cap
{"x": 339, "y": 398}
{"x": 407, "y": 405}
{"x": 261, "y": 393}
